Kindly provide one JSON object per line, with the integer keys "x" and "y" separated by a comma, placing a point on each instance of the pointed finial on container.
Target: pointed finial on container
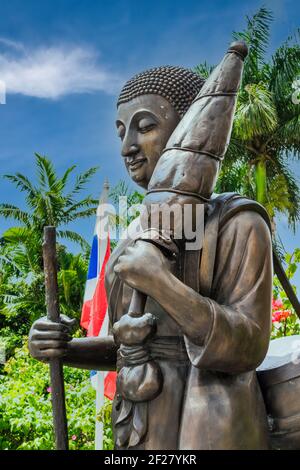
{"x": 240, "y": 48}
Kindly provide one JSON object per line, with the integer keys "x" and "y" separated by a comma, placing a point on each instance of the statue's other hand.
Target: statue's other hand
{"x": 132, "y": 331}
{"x": 142, "y": 264}
{"x": 48, "y": 340}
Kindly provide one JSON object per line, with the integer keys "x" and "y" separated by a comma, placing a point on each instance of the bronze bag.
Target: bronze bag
{"x": 279, "y": 378}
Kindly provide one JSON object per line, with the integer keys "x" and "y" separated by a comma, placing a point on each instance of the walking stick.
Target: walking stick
{"x": 56, "y": 368}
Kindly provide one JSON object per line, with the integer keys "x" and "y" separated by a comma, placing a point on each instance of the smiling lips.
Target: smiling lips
{"x": 137, "y": 163}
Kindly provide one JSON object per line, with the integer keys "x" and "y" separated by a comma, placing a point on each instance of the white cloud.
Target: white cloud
{"x": 18, "y": 46}
{"x": 52, "y": 72}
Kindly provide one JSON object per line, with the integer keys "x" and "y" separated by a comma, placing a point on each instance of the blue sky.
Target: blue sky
{"x": 65, "y": 60}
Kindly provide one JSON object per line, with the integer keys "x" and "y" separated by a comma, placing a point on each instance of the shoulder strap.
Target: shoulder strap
{"x": 220, "y": 210}
{"x": 213, "y": 215}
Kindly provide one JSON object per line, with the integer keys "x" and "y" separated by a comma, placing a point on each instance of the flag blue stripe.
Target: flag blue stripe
{"x": 93, "y": 265}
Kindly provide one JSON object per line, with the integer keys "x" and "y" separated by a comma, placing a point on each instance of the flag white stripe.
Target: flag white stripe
{"x": 90, "y": 288}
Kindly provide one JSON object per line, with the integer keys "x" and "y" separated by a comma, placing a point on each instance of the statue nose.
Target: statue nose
{"x": 130, "y": 151}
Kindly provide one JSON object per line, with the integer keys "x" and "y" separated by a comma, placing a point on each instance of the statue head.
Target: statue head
{"x": 150, "y": 106}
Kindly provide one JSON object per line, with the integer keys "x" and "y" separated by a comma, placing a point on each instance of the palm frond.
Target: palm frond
{"x": 40, "y": 172}
{"x": 288, "y": 136}
{"x": 234, "y": 177}
{"x": 23, "y": 183}
{"x": 6, "y": 260}
{"x": 283, "y": 191}
{"x": 47, "y": 172}
{"x": 68, "y": 278}
{"x": 86, "y": 202}
{"x": 285, "y": 67}
{"x": 256, "y": 113}
{"x": 81, "y": 181}
{"x": 256, "y": 35}
{"x": 17, "y": 235}
{"x": 81, "y": 215}
{"x": 74, "y": 237}
{"x": 9, "y": 211}
{"x": 204, "y": 70}
{"x": 236, "y": 151}
{"x": 66, "y": 175}
{"x": 121, "y": 189}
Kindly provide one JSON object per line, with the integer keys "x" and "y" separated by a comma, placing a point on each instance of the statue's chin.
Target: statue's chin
{"x": 139, "y": 179}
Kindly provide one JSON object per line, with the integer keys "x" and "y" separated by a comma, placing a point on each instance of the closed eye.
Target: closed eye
{"x": 146, "y": 125}
{"x": 145, "y": 129}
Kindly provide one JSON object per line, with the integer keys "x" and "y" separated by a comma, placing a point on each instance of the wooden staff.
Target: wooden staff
{"x": 56, "y": 368}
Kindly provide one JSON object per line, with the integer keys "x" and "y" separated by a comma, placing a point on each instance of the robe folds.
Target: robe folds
{"x": 210, "y": 397}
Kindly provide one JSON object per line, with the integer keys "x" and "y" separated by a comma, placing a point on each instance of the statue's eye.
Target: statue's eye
{"x": 146, "y": 125}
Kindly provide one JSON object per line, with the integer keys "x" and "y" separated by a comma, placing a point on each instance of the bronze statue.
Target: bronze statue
{"x": 187, "y": 368}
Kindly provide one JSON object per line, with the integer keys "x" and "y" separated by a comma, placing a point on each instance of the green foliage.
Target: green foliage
{"x": 49, "y": 202}
{"x": 204, "y": 70}
{"x": 291, "y": 324}
{"x": 104, "y": 417}
{"x": 266, "y": 130}
{"x": 256, "y": 114}
{"x": 134, "y": 199}
{"x": 256, "y": 35}
{"x": 22, "y": 298}
{"x": 25, "y": 405}
{"x": 71, "y": 281}
{"x": 235, "y": 177}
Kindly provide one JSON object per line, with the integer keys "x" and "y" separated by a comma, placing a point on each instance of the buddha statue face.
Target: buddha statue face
{"x": 150, "y": 106}
{"x": 144, "y": 125}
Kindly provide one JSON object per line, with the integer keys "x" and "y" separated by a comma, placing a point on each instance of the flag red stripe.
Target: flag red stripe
{"x": 110, "y": 385}
{"x": 86, "y": 314}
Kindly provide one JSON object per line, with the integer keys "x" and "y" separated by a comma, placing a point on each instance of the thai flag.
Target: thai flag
{"x": 94, "y": 317}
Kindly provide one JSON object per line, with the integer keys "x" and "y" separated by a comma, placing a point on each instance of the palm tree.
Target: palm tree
{"x": 22, "y": 296}
{"x": 71, "y": 281}
{"x": 134, "y": 198}
{"x": 266, "y": 131}
{"x": 49, "y": 203}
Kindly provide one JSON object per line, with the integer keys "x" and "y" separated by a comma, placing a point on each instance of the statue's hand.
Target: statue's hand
{"x": 141, "y": 266}
{"x": 132, "y": 331}
{"x": 48, "y": 340}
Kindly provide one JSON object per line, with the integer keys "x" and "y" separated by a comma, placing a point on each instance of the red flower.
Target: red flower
{"x": 277, "y": 304}
{"x": 280, "y": 315}
{"x": 285, "y": 314}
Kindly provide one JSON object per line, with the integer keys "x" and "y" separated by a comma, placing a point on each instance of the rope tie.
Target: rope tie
{"x": 204, "y": 152}
{"x": 177, "y": 191}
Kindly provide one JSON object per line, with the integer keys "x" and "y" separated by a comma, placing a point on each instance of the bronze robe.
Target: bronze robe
{"x": 211, "y": 398}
